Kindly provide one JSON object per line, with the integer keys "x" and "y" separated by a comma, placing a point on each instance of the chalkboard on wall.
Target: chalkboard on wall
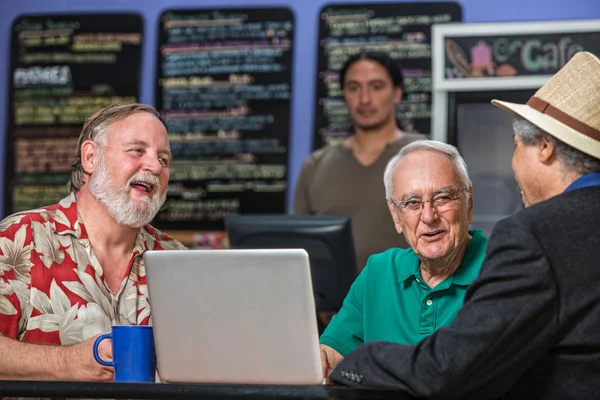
{"x": 224, "y": 88}
{"x": 63, "y": 68}
{"x": 402, "y": 30}
{"x": 514, "y": 55}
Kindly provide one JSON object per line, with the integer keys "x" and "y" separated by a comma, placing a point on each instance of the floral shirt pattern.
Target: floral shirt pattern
{"x": 52, "y": 288}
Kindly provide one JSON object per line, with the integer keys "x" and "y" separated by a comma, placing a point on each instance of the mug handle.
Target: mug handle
{"x": 96, "y": 344}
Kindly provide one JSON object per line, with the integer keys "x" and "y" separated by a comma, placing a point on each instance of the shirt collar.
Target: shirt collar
{"x": 468, "y": 270}
{"x": 411, "y": 268}
{"x": 591, "y": 179}
{"x": 67, "y": 221}
{"x": 66, "y": 218}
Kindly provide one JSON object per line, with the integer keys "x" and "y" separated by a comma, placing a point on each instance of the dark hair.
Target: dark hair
{"x": 391, "y": 66}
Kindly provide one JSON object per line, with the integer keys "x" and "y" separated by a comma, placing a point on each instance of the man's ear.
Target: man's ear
{"x": 395, "y": 216}
{"x": 546, "y": 149}
{"x": 89, "y": 156}
{"x": 470, "y": 210}
{"x": 397, "y": 95}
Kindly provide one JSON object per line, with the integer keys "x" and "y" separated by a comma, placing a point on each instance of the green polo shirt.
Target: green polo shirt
{"x": 389, "y": 301}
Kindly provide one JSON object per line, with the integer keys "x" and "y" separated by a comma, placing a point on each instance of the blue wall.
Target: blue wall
{"x": 306, "y": 12}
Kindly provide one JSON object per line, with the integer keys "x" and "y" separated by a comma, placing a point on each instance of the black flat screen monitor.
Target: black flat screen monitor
{"x": 483, "y": 135}
{"x": 327, "y": 240}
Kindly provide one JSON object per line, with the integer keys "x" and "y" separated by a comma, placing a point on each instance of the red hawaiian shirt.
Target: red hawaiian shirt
{"x": 52, "y": 288}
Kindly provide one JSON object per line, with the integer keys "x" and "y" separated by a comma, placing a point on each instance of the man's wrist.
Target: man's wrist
{"x": 60, "y": 366}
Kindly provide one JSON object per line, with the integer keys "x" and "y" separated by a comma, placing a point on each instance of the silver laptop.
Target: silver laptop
{"x": 234, "y": 316}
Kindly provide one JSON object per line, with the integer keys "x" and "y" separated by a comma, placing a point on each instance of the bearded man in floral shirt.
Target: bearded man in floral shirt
{"x": 71, "y": 270}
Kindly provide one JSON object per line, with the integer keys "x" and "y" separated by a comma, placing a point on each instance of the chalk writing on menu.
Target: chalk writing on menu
{"x": 514, "y": 55}
{"x": 400, "y": 29}
{"x": 63, "y": 69}
{"x": 224, "y": 91}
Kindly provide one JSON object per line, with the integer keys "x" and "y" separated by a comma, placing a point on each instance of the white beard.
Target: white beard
{"x": 116, "y": 200}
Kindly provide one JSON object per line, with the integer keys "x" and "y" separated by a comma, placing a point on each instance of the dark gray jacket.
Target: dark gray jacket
{"x": 530, "y": 325}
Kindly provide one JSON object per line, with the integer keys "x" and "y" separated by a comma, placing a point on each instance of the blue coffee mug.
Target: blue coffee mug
{"x": 134, "y": 358}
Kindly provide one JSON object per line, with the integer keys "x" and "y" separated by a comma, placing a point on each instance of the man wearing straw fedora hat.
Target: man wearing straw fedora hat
{"x": 530, "y": 324}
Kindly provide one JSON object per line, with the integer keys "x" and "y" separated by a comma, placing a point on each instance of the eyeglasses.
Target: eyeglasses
{"x": 441, "y": 202}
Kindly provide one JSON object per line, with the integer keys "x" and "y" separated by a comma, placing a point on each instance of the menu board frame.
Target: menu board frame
{"x": 442, "y": 85}
{"x": 510, "y": 30}
{"x": 414, "y": 65}
{"x": 285, "y": 15}
{"x": 55, "y": 22}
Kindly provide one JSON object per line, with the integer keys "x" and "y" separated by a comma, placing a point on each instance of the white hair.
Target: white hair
{"x": 573, "y": 159}
{"x": 428, "y": 145}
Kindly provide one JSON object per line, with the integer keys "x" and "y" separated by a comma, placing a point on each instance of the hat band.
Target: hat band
{"x": 546, "y": 108}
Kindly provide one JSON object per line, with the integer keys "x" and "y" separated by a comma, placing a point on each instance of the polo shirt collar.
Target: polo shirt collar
{"x": 466, "y": 272}
{"x": 469, "y": 268}
{"x": 410, "y": 269}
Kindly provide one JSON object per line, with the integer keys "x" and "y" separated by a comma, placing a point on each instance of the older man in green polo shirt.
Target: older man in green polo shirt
{"x": 404, "y": 295}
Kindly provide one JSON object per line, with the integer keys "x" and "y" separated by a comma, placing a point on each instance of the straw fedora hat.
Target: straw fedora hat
{"x": 568, "y": 105}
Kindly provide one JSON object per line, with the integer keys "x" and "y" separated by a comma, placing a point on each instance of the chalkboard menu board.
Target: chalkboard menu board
{"x": 63, "y": 69}
{"x": 510, "y": 55}
{"x": 224, "y": 89}
{"x": 403, "y": 30}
